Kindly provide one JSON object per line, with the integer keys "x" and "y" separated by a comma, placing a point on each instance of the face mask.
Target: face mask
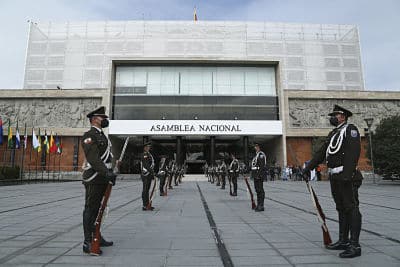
{"x": 334, "y": 121}
{"x": 104, "y": 123}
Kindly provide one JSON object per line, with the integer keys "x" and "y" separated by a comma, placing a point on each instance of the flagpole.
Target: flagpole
{"x": 30, "y": 157}
{"x": 23, "y": 155}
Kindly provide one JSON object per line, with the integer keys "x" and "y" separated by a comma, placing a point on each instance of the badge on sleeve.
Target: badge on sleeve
{"x": 354, "y": 133}
{"x": 87, "y": 141}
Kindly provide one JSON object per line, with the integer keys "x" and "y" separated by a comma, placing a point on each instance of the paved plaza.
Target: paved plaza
{"x": 197, "y": 224}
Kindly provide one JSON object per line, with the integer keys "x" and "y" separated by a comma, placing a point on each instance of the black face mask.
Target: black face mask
{"x": 334, "y": 121}
{"x": 104, "y": 123}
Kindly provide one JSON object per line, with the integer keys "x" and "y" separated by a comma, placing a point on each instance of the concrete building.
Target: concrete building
{"x": 198, "y": 90}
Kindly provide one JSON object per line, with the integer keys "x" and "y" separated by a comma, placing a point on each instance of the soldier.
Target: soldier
{"x": 258, "y": 165}
{"x": 234, "y": 173}
{"x": 223, "y": 174}
{"x": 162, "y": 173}
{"x": 170, "y": 171}
{"x": 147, "y": 174}
{"x": 342, "y": 151}
{"x": 97, "y": 173}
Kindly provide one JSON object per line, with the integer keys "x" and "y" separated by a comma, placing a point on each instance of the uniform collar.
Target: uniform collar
{"x": 98, "y": 129}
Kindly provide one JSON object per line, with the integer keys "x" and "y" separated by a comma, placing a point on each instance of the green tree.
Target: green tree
{"x": 386, "y": 147}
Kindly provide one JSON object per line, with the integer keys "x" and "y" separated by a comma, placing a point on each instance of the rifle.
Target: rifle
{"x": 152, "y": 194}
{"x": 253, "y": 204}
{"x": 230, "y": 184}
{"x": 320, "y": 214}
{"x": 95, "y": 247}
{"x": 166, "y": 184}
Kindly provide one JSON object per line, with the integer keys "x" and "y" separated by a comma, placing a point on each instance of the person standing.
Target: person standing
{"x": 341, "y": 150}
{"x": 223, "y": 174}
{"x": 147, "y": 174}
{"x": 234, "y": 173}
{"x": 258, "y": 165}
{"x": 162, "y": 174}
{"x": 97, "y": 173}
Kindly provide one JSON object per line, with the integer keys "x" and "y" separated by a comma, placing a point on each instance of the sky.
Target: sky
{"x": 378, "y": 22}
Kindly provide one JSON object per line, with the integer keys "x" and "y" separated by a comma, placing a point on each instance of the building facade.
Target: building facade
{"x": 198, "y": 89}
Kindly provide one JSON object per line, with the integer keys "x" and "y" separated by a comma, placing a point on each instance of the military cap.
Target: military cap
{"x": 101, "y": 112}
{"x": 256, "y": 144}
{"x": 147, "y": 144}
{"x": 340, "y": 110}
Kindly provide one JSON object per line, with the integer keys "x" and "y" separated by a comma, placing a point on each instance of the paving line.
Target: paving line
{"x": 223, "y": 252}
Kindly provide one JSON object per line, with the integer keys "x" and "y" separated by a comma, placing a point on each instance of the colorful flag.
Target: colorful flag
{"x": 1, "y": 131}
{"x": 46, "y": 143}
{"x": 40, "y": 143}
{"x": 35, "y": 141}
{"x": 17, "y": 138}
{"x": 25, "y": 138}
{"x": 59, "y": 144}
{"x": 53, "y": 146}
{"x": 10, "y": 142}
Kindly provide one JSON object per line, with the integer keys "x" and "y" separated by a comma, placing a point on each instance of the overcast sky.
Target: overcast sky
{"x": 378, "y": 22}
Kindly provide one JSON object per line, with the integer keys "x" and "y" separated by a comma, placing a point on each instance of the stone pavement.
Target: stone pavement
{"x": 40, "y": 225}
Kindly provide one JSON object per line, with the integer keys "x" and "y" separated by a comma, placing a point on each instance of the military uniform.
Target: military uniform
{"x": 341, "y": 150}
{"x": 97, "y": 173}
{"x": 223, "y": 174}
{"x": 234, "y": 173}
{"x": 258, "y": 165}
{"x": 162, "y": 173}
{"x": 147, "y": 174}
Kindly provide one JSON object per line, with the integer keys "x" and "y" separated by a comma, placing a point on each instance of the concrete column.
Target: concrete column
{"x": 245, "y": 150}
{"x": 212, "y": 150}
{"x": 179, "y": 150}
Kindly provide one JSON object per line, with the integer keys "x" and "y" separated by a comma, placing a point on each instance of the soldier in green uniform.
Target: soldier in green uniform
{"x": 258, "y": 165}
{"x": 341, "y": 150}
{"x": 97, "y": 173}
{"x": 147, "y": 174}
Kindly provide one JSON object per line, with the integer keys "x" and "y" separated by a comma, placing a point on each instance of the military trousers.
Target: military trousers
{"x": 146, "y": 188}
{"x": 259, "y": 188}
{"x": 93, "y": 196}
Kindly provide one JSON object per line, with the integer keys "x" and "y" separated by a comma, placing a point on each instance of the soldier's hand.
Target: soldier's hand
{"x": 111, "y": 177}
{"x": 305, "y": 173}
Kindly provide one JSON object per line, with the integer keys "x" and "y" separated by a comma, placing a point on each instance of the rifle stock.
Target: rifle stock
{"x": 253, "y": 204}
{"x": 320, "y": 214}
{"x": 95, "y": 247}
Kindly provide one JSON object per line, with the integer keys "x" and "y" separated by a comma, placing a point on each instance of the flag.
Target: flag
{"x": 1, "y": 131}
{"x": 46, "y": 143}
{"x": 17, "y": 138}
{"x": 40, "y": 143}
{"x": 35, "y": 141}
{"x": 10, "y": 142}
{"x": 59, "y": 144}
{"x": 25, "y": 138}
{"x": 194, "y": 15}
{"x": 53, "y": 146}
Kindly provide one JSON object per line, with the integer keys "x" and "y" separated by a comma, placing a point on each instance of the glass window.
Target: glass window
{"x": 196, "y": 80}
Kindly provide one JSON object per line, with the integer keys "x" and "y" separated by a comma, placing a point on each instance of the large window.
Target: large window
{"x": 195, "y": 80}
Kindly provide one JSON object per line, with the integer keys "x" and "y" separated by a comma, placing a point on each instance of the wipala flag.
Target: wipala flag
{"x": 40, "y": 143}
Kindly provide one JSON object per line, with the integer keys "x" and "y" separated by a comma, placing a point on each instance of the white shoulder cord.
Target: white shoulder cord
{"x": 334, "y": 148}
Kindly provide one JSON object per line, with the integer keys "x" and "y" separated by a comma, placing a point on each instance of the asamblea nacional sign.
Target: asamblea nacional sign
{"x": 195, "y": 127}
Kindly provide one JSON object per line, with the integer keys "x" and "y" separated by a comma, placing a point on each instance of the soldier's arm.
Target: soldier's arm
{"x": 352, "y": 148}
{"x": 146, "y": 162}
{"x": 319, "y": 156}
{"x": 92, "y": 154}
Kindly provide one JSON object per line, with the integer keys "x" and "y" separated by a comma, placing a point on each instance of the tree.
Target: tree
{"x": 386, "y": 147}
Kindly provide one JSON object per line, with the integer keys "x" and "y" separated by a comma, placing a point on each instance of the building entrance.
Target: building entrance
{"x": 196, "y": 151}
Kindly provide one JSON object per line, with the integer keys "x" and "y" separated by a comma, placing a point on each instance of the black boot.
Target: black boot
{"x": 354, "y": 250}
{"x": 105, "y": 243}
{"x": 343, "y": 242}
{"x": 259, "y": 207}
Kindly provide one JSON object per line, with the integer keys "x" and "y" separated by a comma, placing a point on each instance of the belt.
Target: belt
{"x": 255, "y": 168}
{"x": 335, "y": 170}
{"x": 108, "y": 165}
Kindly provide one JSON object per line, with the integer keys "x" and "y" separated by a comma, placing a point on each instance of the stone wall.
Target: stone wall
{"x": 306, "y": 112}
